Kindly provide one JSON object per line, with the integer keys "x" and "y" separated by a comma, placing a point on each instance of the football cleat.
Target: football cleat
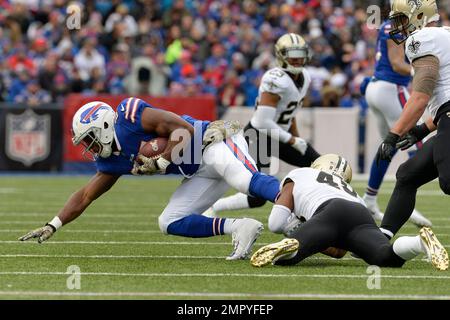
{"x": 275, "y": 251}
{"x": 419, "y": 220}
{"x": 244, "y": 237}
{"x": 435, "y": 250}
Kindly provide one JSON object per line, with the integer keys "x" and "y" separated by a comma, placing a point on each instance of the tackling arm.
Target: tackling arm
{"x": 74, "y": 206}
{"x": 425, "y": 79}
{"x": 284, "y": 205}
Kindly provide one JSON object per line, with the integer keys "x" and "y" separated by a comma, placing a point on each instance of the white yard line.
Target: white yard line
{"x": 8, "y": 190}
{"x": 139, "y": 243}
{"x": 77, "y": 256}
{"x": 210, "y": 275}
{"x": 92, "y": 231}
{"x": 221, "y": 294}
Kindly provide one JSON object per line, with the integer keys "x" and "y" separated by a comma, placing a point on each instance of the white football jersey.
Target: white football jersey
{"x": 433, "y": 41}
{"x": 277, "y": 81}
{"x": 313, "y": 187}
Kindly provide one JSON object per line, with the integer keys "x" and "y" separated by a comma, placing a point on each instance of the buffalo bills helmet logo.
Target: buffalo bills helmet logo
{"x": 91, "y": 114}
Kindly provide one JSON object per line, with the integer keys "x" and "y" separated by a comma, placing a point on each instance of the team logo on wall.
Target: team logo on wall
{"x": 27, "y": 137}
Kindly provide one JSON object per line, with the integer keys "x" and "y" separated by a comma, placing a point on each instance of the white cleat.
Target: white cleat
{"x": 210, "y": 213}
{"x": 419, "y": 220}
{"x": 244, "y": 237}
{"x": 374, "y": 209}
{"x": 435, "y": 250}
{"x": 270, "y": 253}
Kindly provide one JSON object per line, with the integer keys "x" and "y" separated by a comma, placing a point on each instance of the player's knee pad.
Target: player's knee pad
{"x": 403, "y": 176}
{"x": 254, "y": 202}
{"x": 242, "y": 184}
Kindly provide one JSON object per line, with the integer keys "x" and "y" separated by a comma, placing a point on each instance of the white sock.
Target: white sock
{"x": 370, "y": 198}
{"x": 408, "y": 248}
{"x": 235, "y": 202}
{"x": 230, "y": 225}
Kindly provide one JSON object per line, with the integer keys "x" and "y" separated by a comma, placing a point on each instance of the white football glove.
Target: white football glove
{"x": 300, "y": 145}
{"x": 42, "y": 233}
{"x": 148, "y": 166}
{"x": 219, "y": 130}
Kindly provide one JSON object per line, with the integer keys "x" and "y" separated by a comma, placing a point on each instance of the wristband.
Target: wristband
{"x": 55, "y": 223}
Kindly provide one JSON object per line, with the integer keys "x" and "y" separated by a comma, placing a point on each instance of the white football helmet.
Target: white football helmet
{"x": 292, "y": 45}
{"x": 408, "y": 16}
{"x": 93, "y": 126}
{"x": 334, "y": 164}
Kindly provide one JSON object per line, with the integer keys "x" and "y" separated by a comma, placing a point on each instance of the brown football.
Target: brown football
{"x": 154, "y": 147}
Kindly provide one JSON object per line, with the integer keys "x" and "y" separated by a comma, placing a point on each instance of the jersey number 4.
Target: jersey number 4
{"x": 329, "y": 179}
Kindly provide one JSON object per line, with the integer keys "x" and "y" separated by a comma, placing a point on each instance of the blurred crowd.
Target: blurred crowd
{"x": 179, "y": 47}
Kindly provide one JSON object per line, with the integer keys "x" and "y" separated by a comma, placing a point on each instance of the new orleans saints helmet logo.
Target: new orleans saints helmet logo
{"x": 415, "y": 4}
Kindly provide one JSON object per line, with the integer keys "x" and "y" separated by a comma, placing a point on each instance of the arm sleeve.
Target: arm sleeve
{"x": 264, "y": 118}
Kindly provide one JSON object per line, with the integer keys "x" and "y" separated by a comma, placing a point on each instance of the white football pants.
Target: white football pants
{"x": 224, "y": 165}
{"x": 386, "y": 100}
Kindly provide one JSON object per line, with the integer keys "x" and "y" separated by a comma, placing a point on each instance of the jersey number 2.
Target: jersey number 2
{"x": 327, "y": 178}
{"x": 286, "y": 115}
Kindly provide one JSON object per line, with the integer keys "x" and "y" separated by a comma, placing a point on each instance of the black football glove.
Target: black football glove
{"x": 414, "y": 135}
{"x": 387, "y": 148}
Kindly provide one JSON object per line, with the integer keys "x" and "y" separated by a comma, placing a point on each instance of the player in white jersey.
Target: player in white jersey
{"x": 272, "y": 130}
{"x": 428, "y": 49}
{"x": 334, "y": 220}
{"x": 386, "y": 95}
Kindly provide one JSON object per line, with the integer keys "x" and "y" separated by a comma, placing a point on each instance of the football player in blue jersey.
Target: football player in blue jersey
{"x": 386, "y": 94}
{"x": 216, "y": 158}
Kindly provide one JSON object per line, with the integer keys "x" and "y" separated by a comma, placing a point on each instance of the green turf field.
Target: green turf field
{"x": 121, "y": 253}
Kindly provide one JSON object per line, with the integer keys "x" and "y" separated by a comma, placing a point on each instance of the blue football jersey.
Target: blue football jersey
{"x": 383, "y": 67}
{"x": 130, "y": 134}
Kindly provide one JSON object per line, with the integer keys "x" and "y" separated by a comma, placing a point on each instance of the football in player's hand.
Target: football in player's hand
{"x": 154, "y": 147}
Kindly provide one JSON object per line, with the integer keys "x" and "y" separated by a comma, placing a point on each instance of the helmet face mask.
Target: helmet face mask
{"x": 93, "y": 148}
{"x": 408, "y": 16}
{"x": 400, "y": 26}
{"x": 93, "y": 127}
{"x": 292, "y": 53}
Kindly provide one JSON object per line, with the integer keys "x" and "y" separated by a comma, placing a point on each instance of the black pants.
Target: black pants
{"x": 262, "y": 147}
{"x": 346, "y": 225}
{"x": 430, "y": 162}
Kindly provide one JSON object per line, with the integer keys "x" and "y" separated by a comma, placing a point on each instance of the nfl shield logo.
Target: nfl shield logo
{"x": 27, "y": 137}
